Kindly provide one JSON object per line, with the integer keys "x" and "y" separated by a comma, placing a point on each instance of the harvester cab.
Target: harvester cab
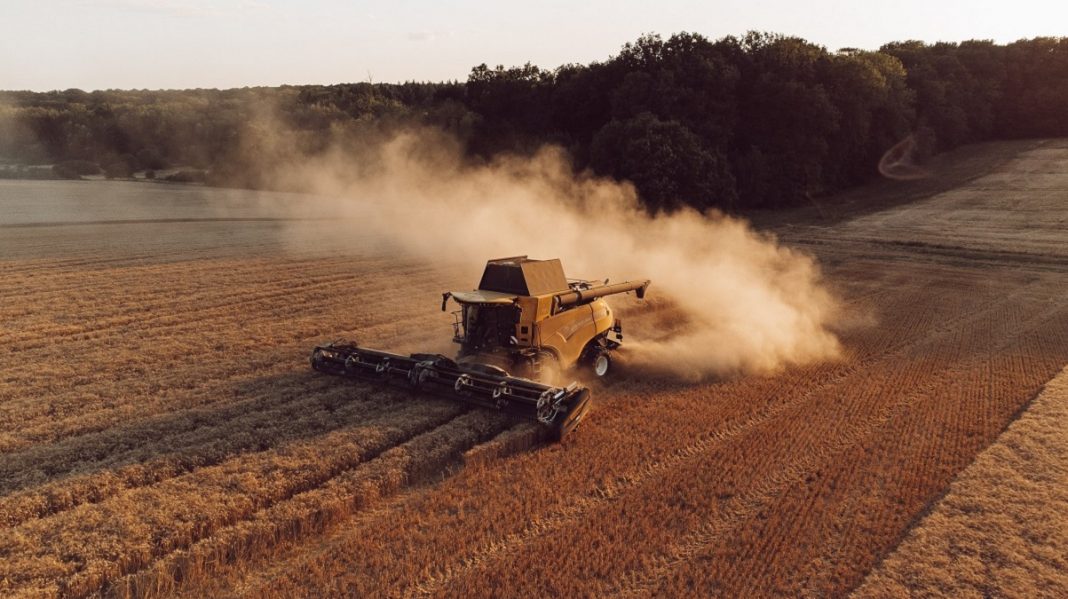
{"x": 523, "y": 326}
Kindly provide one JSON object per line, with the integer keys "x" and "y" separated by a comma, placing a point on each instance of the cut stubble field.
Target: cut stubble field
{"x": 161, "y": 432}
{"x": 1000, "y": 530}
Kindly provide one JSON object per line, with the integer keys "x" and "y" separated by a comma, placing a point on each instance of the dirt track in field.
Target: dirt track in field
{"x": 160, "y": 431}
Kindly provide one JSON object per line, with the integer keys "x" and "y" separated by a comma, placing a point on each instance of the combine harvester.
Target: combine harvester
{"x": 524, "y": 325}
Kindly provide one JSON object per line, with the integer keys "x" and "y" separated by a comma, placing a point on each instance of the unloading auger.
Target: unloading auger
{"x": 522, "y": 328}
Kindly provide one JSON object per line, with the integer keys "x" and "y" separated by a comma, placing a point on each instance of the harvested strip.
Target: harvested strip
{"x": 1000, "y": 530}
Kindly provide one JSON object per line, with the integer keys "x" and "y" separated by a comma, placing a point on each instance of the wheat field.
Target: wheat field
{"x": 162, "y": 434}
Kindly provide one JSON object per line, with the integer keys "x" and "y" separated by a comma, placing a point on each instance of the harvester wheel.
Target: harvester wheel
{"x": 598, "y": 358}
{"x": 601, "y": 363}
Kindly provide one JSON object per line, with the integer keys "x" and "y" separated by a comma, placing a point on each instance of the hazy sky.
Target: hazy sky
{"x": 96, "y": 44}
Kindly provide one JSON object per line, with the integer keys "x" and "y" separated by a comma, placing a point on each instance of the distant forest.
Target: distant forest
{"x": 760, "y": 121}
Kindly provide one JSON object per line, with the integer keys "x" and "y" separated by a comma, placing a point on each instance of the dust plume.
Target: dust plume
{"x": 739, "y": 302}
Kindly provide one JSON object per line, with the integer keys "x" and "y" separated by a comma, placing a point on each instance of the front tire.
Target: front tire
{"x": 601, "y": 364}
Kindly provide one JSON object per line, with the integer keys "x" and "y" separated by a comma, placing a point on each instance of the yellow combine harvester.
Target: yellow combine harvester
{"x": 524, "y": 325}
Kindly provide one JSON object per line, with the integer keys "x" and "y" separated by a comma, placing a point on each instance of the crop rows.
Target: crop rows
{"x": 194, "y": 375}
{"x": 91, "y": 468}
{"x": 106, "y": 540}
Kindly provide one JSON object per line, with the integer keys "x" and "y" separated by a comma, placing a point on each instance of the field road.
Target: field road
{"x": 161, "y": 432}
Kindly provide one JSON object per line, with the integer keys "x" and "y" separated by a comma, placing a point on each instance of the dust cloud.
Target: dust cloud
{"x": 736, "y": 301}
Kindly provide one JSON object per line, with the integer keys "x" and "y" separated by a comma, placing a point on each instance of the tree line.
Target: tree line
{"x": 758, "y": 121}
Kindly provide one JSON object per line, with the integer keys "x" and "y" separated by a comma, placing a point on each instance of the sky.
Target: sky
{"x": 154, "y": 44}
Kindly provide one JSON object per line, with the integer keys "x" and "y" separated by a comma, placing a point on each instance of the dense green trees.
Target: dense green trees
{"x": 1035, "y": 91}
{"x": 665, "y": 160}
{"x": 757, "y": 121}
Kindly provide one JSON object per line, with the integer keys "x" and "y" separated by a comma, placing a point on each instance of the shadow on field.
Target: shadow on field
{"x": 258, "y": 415}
